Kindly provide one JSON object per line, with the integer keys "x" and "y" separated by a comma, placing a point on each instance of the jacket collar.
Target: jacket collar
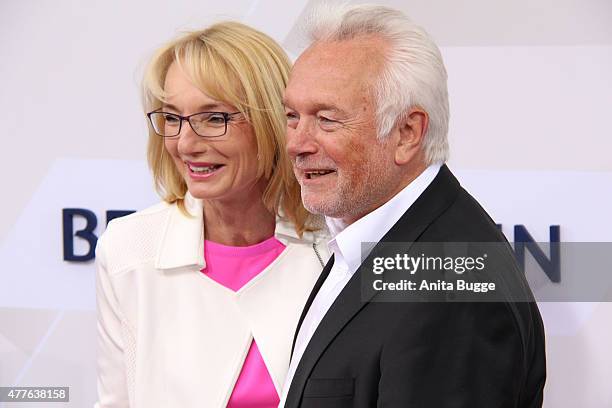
{"x": 182, "y": 242}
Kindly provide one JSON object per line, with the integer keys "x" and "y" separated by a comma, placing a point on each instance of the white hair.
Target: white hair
{"x": 413, "y": 74}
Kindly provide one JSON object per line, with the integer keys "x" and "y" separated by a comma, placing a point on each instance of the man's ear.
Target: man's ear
{"x": 412, "y": 127}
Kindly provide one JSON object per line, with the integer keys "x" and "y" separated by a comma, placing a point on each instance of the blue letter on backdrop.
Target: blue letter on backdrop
{"x": 112, "y": 214}
{"x": 551, "y": 266}
{"x": 86, "y": 233}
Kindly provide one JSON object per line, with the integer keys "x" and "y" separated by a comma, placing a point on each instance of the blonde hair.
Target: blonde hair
{"x": 238, "y": 65}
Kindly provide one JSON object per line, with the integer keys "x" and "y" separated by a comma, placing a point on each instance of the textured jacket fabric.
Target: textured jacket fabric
{"x": 169, "y": 336}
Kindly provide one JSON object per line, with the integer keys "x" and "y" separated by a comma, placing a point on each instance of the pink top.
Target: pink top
{"x": 233, "y": 267}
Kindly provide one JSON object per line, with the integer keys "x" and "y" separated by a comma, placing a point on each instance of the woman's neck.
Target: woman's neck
{"x": 238, "y": 223}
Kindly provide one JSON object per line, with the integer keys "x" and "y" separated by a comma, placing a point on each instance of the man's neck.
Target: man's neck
{"x": 407, "y": 177}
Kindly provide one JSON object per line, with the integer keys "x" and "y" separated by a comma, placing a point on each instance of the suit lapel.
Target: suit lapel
{"x": 313, "y": 294}
{"x": 438, "y": 196}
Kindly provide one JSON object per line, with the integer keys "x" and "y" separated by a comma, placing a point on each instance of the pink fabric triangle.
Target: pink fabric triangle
{"x": 233, "y": 267}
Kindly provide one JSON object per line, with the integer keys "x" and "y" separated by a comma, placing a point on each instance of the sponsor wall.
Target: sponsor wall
{"x": 530, "y": 138}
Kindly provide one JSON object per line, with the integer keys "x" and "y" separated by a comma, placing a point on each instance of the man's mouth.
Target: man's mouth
{"x": 311, "y": 174}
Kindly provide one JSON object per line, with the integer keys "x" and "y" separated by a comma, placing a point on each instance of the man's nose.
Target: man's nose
{"x": 301, "y": 140}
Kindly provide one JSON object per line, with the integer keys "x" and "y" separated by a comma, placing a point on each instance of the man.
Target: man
{"x": 367, "y": 112}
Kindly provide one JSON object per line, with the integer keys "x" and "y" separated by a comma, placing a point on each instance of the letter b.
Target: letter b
{"x": 86, "y": 233}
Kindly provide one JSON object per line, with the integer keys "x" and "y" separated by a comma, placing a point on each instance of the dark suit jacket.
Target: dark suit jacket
{"x": 425, "y": 354}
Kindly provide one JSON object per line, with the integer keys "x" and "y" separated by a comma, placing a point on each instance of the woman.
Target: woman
{"x": 199, "y": 296}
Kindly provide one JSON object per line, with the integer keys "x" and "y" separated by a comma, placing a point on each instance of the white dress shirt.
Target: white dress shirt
{"x": 346, "y": 246}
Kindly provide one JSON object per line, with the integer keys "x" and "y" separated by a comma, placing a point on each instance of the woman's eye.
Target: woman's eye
{"x": 291, "y": 116}
{"x": 216, "y": 119}
{"x": 171, "y": 119}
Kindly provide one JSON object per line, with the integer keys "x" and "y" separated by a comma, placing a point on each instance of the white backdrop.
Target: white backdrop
{"x": 531, "y": 93}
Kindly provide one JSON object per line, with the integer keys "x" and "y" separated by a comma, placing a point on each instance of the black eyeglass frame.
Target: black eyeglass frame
{"x": 227, "y": 116}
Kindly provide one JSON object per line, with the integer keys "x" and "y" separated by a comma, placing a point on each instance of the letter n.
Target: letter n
{"x": 551, "y": 266}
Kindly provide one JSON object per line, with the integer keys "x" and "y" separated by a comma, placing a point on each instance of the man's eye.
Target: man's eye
{"x": 328, "y": 124}
{"x": 292, "y": 119}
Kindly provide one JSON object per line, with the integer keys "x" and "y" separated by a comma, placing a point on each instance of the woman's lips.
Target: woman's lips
{"x": 200, "y": 171}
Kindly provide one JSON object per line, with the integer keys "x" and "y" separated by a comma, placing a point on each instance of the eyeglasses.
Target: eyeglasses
{"x": 205, "y": 124}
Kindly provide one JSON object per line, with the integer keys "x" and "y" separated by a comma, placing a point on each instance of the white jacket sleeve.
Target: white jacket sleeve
{"x": 111, "y": 379}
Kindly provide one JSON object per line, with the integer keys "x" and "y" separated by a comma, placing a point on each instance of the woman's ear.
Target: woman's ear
{"x": 412, "y": 128}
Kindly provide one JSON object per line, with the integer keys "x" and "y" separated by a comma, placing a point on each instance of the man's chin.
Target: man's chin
{"x": 321, "y": 206}
{"x": 314, "y": 208}
{"x": 315, "y": 204}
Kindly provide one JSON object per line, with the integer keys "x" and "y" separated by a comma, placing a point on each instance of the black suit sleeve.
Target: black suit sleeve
{"x": 466, "y": 355}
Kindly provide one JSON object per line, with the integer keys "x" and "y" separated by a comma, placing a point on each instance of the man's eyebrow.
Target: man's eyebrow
{"x": 317, "y": 107}
{"x": 327, "y": 107}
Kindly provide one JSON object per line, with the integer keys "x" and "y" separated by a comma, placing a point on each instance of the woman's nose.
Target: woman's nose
{"x": 189, "y": 142}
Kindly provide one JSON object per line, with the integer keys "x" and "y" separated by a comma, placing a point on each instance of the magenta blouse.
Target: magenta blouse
{"x": 233, "y": 267}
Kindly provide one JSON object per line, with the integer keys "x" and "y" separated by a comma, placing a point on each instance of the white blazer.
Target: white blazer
{"x": 169, "y": 336}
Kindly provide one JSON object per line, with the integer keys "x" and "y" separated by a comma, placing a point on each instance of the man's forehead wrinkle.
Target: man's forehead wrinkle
{"x": 314, "y": 91}
{"x": 367, "y": 49}
{"x": 300, "y": 93}
{"x": 345, "y": 61}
